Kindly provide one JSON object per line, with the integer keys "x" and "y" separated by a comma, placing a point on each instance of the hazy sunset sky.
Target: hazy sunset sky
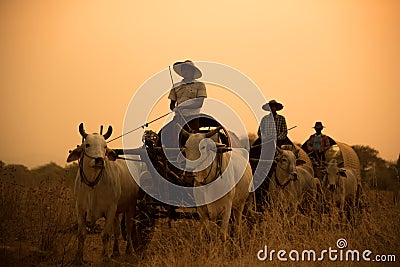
{"x": 66, "y": 62}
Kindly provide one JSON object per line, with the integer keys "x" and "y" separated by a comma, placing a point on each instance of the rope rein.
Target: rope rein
{"x": 84, "y": 179}
{"x": 140, "y": 127}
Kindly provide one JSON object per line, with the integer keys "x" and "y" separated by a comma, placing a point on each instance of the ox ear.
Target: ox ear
{"x": 75, "y": 154}
{"x": 342, "y": 172}
{"x": 111, "y": 154}
{"x": 300, "y": 162}
{"x": 341, "y": 164}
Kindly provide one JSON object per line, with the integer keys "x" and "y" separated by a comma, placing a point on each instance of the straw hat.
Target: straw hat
{"x": 178, "y": 68}
{"x": 278, "y": 105}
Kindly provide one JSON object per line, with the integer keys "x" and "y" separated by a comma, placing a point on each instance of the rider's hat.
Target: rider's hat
{"x": 278, "y": 105}
{"x": 318, "y": 125}
{"x": 178, "y": 68}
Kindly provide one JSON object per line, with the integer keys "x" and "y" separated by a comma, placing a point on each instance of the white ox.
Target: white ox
{"x": 292, "y": 186}
{"x": 232, "y": 170}
{"x": 103, "y": 188}
{"x": 340, "y": 186}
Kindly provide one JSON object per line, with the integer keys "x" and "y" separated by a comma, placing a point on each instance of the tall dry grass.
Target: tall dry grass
{"x": 183, "y": 245}
{"x": 37, "y": 227}
{"x": 36, "y": 219}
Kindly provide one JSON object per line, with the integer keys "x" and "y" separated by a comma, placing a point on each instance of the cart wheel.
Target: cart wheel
{"x": 144, "y": 224}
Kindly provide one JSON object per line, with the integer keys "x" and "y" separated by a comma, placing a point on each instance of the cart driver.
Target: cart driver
{"x": 187, "y": 96}
{"x": 318, "y": 144}
{"x": 266, "y": 128}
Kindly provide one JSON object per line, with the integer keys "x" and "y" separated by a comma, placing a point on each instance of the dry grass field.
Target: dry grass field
{"x": 37, "y": 228}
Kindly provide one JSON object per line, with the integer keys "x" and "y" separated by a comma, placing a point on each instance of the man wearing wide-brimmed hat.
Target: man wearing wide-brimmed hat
{"x": 318, "y": 143}
{"x": 187, "y": 96}
{"x": 274, "y": 125}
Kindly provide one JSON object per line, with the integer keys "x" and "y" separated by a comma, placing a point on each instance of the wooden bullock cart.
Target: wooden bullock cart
{"x": 152, "y": 153}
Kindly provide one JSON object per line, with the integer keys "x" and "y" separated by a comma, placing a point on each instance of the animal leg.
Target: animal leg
{"x": 225, "y": 222}
{"x": 81, "y": 235}
{"x": 341, "y": 209}
{"x": 123, "y": 226}
{"x": 237, "y": 222}
{"x": 205, "y": 229}
{"x": 350, "y": 211}
{"x": 315, "y": 213}
{"x": 131, "y": 233}
{"x": 107, "y": 232}
{"x": 117, "y": 232}
{"x": 291, "y": 214}
{"x": 204, "y": 223}
{"x": 331, "y": 213}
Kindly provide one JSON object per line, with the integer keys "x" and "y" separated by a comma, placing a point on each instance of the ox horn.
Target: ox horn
{"x": 211, "y": 133}
{"x": 82, "y": 131}
{"x": 185, "y": 133}
{"x": 108, "y": 133}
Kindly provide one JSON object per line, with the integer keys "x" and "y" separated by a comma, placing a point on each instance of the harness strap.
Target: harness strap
{"x": 282, "y": 186}
{"x": 84, "y": 179}
{"x": 218, "y": 172}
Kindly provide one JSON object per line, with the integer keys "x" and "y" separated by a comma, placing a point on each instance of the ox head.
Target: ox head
{"x": 333, "y": 172}
{"x": 93, "y": 148}
{"x": 286, "y": 162}
{"x": 200, "y": 149}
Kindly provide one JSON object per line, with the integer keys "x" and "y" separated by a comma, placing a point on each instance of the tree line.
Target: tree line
{"x": 376, "y": 172}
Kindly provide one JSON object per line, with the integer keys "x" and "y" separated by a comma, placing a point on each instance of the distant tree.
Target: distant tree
{"x": 398, "y": 164}
{"x": 368, "y": 156}
{"x": 397, "y": 168}
{"x": 2, "y": 164}
{"x": 375, "y": 169}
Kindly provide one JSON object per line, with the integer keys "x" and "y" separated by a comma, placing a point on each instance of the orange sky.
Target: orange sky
{"x": 66, "y": 62}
